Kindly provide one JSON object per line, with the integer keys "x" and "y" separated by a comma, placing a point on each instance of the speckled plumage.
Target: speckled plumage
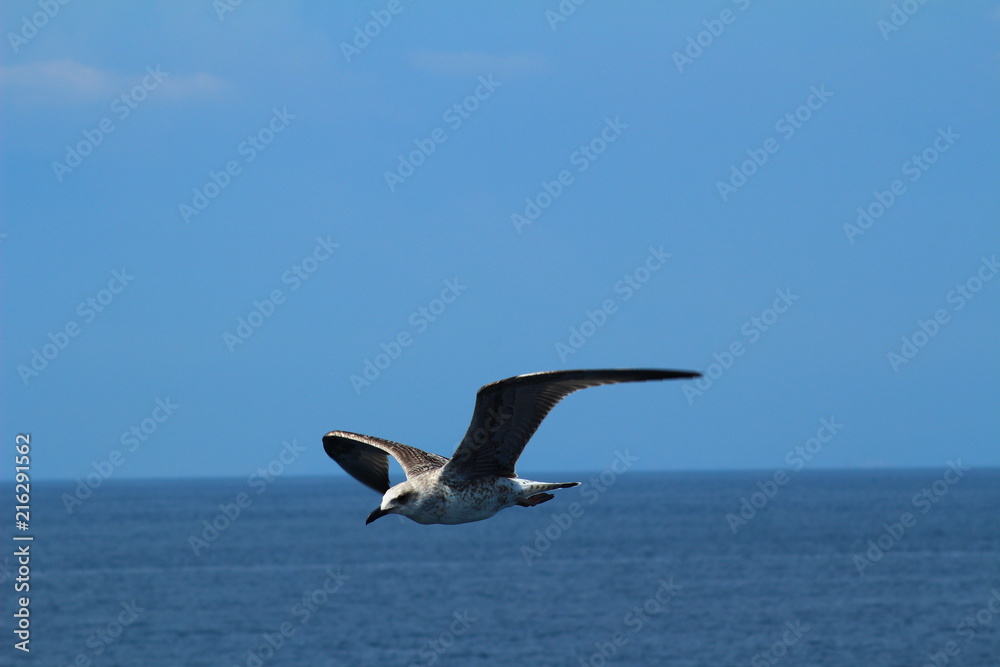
{"x": 479, "y": 480}
{"x": 440, "y": 500}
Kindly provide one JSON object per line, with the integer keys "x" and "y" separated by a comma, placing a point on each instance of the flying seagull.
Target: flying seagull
{"x": 479, "y": 479}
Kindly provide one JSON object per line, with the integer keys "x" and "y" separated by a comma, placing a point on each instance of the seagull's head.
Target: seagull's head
{"x": 400, "y": 499}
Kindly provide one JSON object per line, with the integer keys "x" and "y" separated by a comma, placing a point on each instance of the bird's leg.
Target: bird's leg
{"x": 536, "y": 499}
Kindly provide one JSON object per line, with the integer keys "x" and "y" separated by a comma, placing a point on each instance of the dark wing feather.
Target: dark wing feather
{"x": 508, "y": 412}
{"x": 366, "y": 458}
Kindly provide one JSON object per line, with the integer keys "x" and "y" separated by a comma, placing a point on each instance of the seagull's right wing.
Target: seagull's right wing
{"x": 509, "y": 411}
{"x": 366, "y": 458}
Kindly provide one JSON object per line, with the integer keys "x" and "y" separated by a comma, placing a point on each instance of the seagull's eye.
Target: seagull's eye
{"x": 403, "y": 498}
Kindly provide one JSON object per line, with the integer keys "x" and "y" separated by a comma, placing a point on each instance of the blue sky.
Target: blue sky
{"x": 213, "y": 219}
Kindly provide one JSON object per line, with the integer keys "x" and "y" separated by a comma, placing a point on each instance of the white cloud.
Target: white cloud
{"x": 70, "y": 82}
{"x": 65, "y": 78}
{"x": 473, "y": 63}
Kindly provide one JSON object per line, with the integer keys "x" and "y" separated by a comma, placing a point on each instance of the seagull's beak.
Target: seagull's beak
{"x": 379, "y": 512}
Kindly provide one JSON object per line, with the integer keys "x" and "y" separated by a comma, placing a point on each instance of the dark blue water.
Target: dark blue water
{"x": 647, "y": 571}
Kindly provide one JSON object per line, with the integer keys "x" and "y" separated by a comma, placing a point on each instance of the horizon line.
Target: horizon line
{"x": 698, "y": 471}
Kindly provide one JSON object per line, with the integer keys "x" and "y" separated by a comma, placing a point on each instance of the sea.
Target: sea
{"x": 873, "y": 567}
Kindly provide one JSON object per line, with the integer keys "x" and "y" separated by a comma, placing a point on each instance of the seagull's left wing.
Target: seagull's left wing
{"x": 366, "y": 457}
{"x": 509, "y": 411}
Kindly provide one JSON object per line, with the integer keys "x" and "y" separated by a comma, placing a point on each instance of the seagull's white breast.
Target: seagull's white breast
{"x": 472, "y": 500}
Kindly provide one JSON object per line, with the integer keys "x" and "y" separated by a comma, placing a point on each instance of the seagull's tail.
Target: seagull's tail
{"x": 560, "y": 485}
{"x": 534, "y": 492}
{"x": 531, "y": 488}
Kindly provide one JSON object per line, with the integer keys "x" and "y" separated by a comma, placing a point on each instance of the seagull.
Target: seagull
{"x": 479, "y": 479}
